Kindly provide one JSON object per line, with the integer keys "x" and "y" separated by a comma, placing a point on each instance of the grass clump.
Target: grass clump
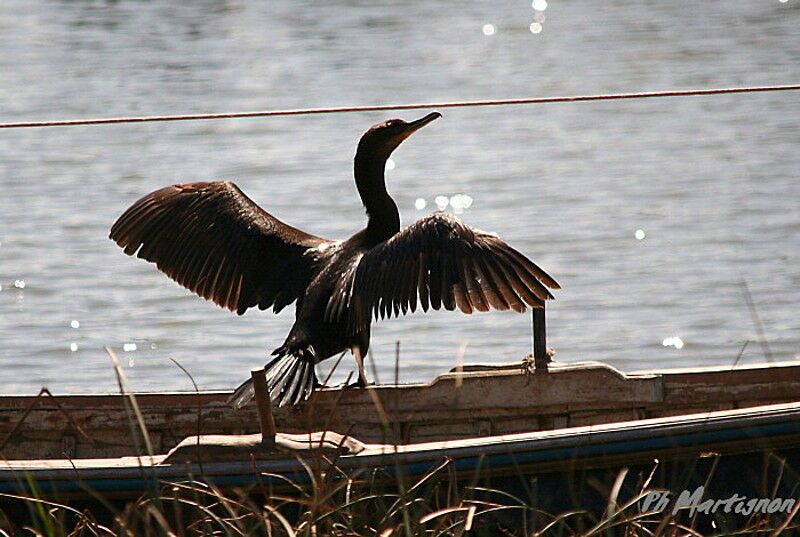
{"x": 438, "y": 504}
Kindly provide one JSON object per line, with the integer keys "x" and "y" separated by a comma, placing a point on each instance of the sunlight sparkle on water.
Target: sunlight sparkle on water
{"x": 489, "y": 29}
{"x": 539, "y": 17}
{"x": 673, "y": 341}
{"x": 441, "y": 202}
{"x": 73, "y": 347}
{"x": 75, "y": 323}
{"x": 19, "y": 284}
{"x": 539, "y": 5}
{"x": 536, "y": 28}
{"x": 129, "y": 347}
{"x": 419, "y": 204}
{"x": 459, "y": 202}
{"x": 639, "y": 234}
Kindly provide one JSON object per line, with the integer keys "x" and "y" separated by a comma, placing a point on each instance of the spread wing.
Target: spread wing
{"x": 442, "y": 262}
{"x": 215, "y": 241}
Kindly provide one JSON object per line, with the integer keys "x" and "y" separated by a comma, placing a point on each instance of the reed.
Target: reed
{"x": 439, "y": 504}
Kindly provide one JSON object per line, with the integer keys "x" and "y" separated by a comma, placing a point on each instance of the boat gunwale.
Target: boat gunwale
{"x": 677, "y": 432}
{"x": 483, "y": 370}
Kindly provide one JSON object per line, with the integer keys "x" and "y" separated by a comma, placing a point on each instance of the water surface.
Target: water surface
{"x": 651, "y": 214}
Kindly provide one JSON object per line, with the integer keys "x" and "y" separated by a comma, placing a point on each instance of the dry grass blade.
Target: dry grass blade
{"x": 780, "y": 529}
{"x": 42, "y": 502}
{"x": 442, "y": 512}
{"x": 459, "y": 368}
{"x": 122, "y": 382}
{"x": 470, "y": 518}
{"x": 352, "y": 503}
{"x": 471, "y": 514}
{"x": 229, "y": 504}
{"x": 503, "y": 493}
{"x": 556, "y": 521}
{"x": 44, "y": 391}
{"x": 741, "y": 353}
{"x": 273, "y": 512}
{"x": 756, "y": 318}
{"x": 402, "y": 497}
{"x": 225, "y": 525}
{"x": 159, "y": 517}
{"x": 612, "y": 497}
{"x": 199, "y": 409}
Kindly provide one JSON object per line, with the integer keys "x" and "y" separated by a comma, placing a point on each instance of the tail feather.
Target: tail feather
{"x": 290, "y": 379}
{"x": 276, "y": 368}
{"x": 281, "y": 383}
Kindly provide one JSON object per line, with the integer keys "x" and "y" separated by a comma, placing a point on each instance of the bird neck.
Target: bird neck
{"x": 384, "y": 218}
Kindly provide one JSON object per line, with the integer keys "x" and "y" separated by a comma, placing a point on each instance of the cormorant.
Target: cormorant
{"x": 215, "y": 241}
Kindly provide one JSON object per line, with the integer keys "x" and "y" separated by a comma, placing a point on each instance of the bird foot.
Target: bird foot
{"x": 360, "y": 383}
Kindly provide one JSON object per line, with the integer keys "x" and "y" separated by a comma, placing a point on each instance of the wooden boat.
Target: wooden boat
{"x": 504, "y": 423}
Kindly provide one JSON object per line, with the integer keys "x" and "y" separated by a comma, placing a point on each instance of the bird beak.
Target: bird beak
{"x": 416, "y": 125}
{"x": 421, "y": 122}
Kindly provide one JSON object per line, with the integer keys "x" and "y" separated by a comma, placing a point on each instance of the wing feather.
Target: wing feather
{"x": 514, "y": 301}
{"x": 530, "y": 281}
{"x": 474, "y": 284}
{"x": 444, "y": 263}
{"x": 215, "y": 241}
{"x": 461, "y": 297}
{"x": 448, "y": 298}
{"x": 412, "y": 284}
{"x": 435, "y": 279}
{"x": 490, "y": 286}
{"x": 422, "y": 280}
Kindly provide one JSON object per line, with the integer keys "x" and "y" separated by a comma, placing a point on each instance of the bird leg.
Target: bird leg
{"x": 362, "y": 381}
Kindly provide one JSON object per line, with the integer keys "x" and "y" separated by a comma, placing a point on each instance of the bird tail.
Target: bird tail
{"x": 290, "y": 379}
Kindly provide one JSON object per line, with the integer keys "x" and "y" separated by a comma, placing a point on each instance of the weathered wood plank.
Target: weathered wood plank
{"x": 479, "y": 401}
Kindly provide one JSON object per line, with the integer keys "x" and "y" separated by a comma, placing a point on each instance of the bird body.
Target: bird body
{"x": 211, "y": 238}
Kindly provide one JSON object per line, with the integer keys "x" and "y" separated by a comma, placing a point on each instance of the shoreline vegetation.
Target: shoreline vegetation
{"x": 439, "y": 504}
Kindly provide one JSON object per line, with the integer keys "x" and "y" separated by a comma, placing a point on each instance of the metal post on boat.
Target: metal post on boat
{"x": 264, "y": 405}
{"x": 540, "y": 357}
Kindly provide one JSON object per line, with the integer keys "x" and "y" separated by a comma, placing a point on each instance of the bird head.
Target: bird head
{"x": 381, "y": 139}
